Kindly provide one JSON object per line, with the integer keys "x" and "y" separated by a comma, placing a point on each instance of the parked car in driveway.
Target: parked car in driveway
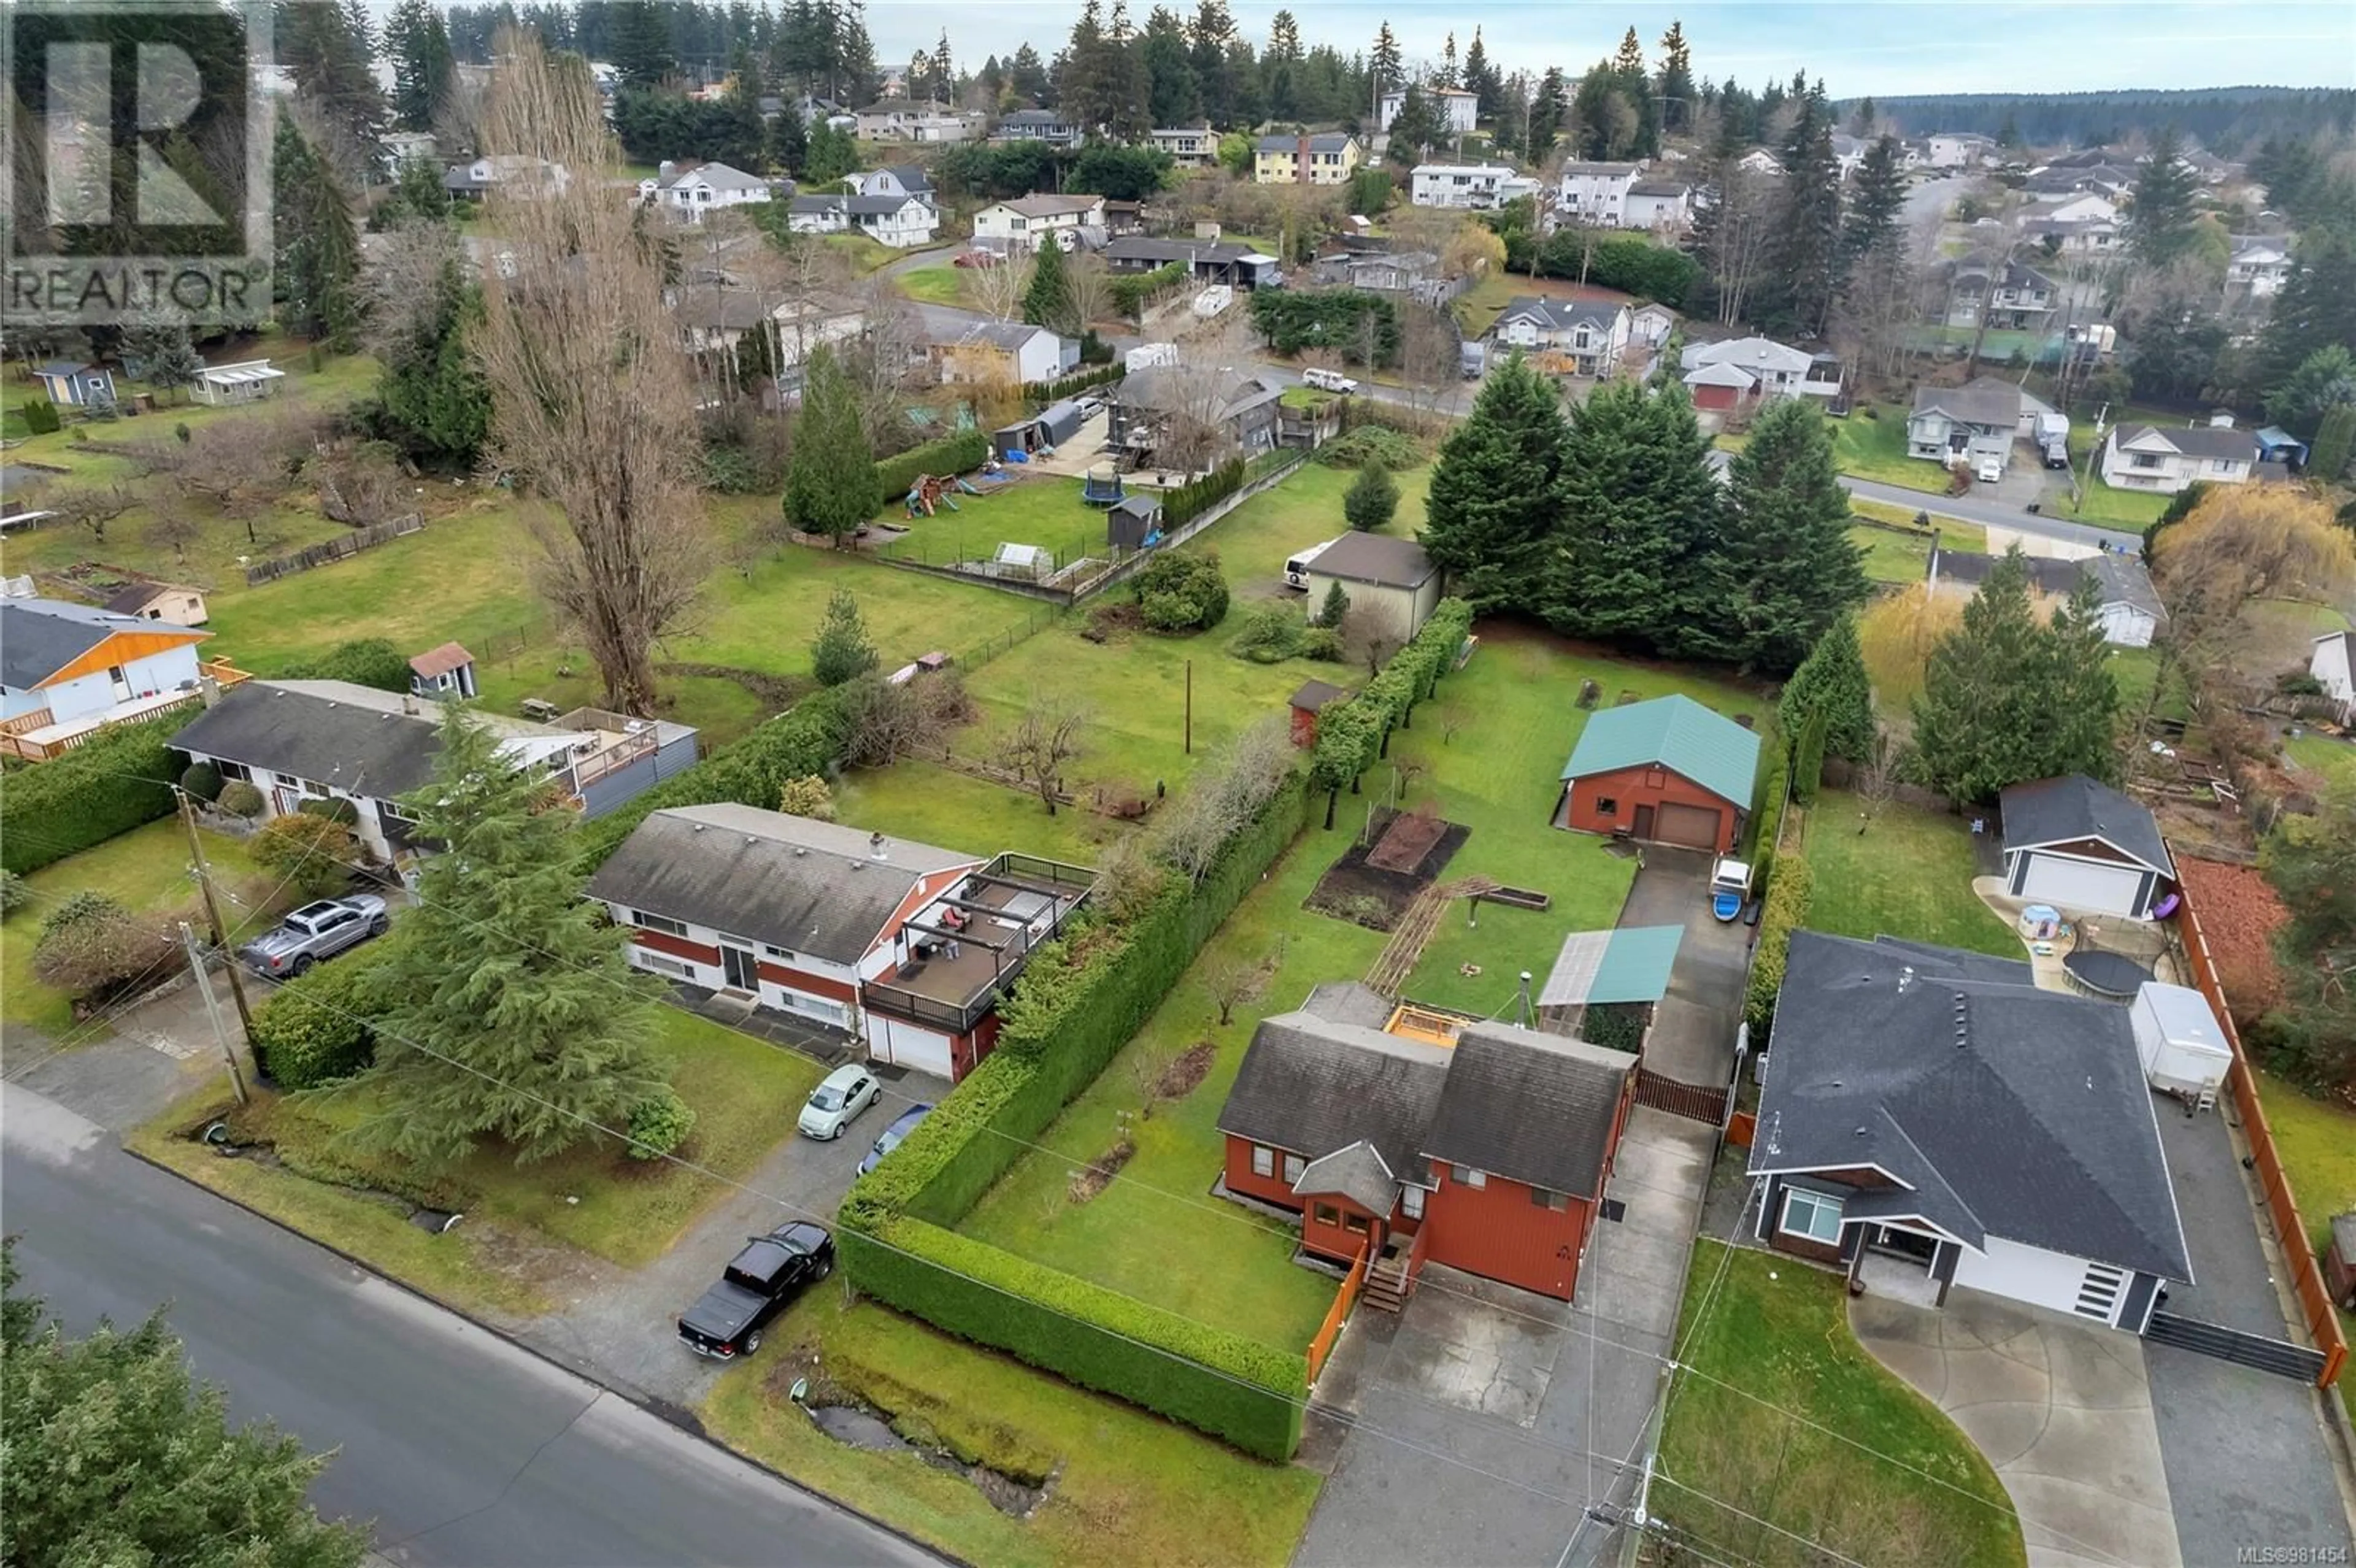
{"x": 893, "y": 1136}
{"x": 726, "y": 1320}
{"x": 836, "y": 1103}
{"x": 317, "y": 931}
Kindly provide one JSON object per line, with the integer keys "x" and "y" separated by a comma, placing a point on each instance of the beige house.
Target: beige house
{"x": 170, "y": 603}
{"x": 1392, "y": 585}
{"x": 1328, "y": 158}
{"x": 2164, "y": 459}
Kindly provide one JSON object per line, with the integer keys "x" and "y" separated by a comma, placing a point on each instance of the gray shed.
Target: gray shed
{"x": 1132, "y": 521}
{"x": 1061, "y": 422}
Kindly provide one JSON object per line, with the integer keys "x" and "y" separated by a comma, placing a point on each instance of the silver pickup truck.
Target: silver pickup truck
{"x": 317, "y": 931}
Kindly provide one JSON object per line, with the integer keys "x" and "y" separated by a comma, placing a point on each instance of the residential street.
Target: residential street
{"x": 461, "y": 1448}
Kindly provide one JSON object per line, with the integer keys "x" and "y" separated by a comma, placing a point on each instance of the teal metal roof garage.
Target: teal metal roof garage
{"x": 1668, "y": 771}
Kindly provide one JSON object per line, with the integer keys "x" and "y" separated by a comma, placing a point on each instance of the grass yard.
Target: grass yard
{"x": 1898, "y": 551}
{"x": 147, "y": 870}
{"x": 2099, "y": 503}
{"x": 2317, "y": 1140}
{"x": 1127, "y": 1486}
{"x": 2324, "y": 757}
{"x": 934, "y": 806}
{"x": 1874, "y": 448}
{"x": 940, "y": 284}
{"x": 1254, "y": 539}
{"x": 1036, "y": 510}
{"x": 1778, "y": 1329}
{"x": 1909, "y": 875}
{"x": 1238, "y": 1272}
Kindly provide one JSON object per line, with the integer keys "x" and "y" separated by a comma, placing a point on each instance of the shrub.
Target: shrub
{"x": 1367, "y": 443}
{"x": 1322, "y": 643}
{"x": 1372, "y": 499}
{"x": 957, "y": 454}
{"x": 16, "y": 892}
{"x": 807, "y": 796}
{"x": 91, "y": 946}
{"x": 1272, "y": 633}
{"x": 842, "y": 650}
{"x": 1181, "y": 592}
{"x": 202, "y": 781}
{"x": 42, "y": 417}
{"x": 1041, "y": 393}
{"x": 332, "y": 808}
{"x": 319, "y": 1028}
{"x": 1336, "y": 608}
{"x": 1190, "y": 500}
{"x": 309, "y": 851}
{"x": 1786, "y": 910}
{"x": 659, "y": 1123}
{"x": 118, "y": 781}
{"x": 1130, "y": 292}
{"x": 1344, "y": 320}
{"x": 240, "y": 798}
{"x": 363, "y": 661}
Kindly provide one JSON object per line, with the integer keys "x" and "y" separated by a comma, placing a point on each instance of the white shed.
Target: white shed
{"x": 2183, "y": 1047}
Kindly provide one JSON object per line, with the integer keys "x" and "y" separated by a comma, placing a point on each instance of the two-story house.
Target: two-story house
{"x": 903, "y": 120}
{"x": 690, "y": 192}
{"x": 1950, "y": 150}
{"x": 1595, "y": 195}
{"x": 2015, "y": 296}
{"x": 1324, "y": 157}
{"x": 1467, "y": 184}
{"x": 1197, "y": 412}
{"x": 503, "y": 171}
{"x": 1189, "y": 146}
{"x": 2080, "y": 239}
{"x": 332, "y": 739}
{"x": 2164, "y": 459}
{"x": 1003, "y": 352}
{"x": 1019, "y": 226}
{"x": 1661, "y": 207}
{"x": 2073, "y": 207}
{"x": 1578, "y": 338}
{"x": 880, "y": 205}
{"x": 1457, "y": 111}
{"x": 68, "y": 670}
{"x": 1408, "y": 1138}
{"x": 1742, "y": 371}
{"x": 2259, "y": 264}
{"x": 1963, "y": 426}
{"x": 904, "y": 946}
{"x": 1052, "y": 126}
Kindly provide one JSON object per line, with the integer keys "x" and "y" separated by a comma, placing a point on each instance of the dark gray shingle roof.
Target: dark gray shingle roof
{"x": 2008, "y": 1109}
{"x": 2197, "y": 439}
{"x": 2056, "y": 811}
{"x": 1357, "y": 1173}
{"x": 1985, "y": 401}
{"x": 360, "y": 747}
{"x": 1532, "y": 1107}
{"x": 40, "y": 637}
{"x": 1314, "y": 1086}
{"x": 1376, "y": 559}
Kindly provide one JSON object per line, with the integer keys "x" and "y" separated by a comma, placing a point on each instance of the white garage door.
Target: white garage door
{"x": 2052, "y": 1280}
{"x": 2082, "y": 886}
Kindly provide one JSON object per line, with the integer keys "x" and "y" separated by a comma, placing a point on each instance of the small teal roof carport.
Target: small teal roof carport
{"x": 1629, "y": 964}
{"x": 1673, "y": 733}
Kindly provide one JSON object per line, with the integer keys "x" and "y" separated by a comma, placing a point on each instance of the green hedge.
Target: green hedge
{"x": 42, "y": 417}
{"x": 1350, "y": 736}
{"x": 1786, "y": 911}
{"x": 958, "y": 453}
{"x": 1041, "y": 393}
{"x": 318, "y": 1028}
{"x": 364, "y": 661}
{"x": 1248, "y": 1393}
{"x": 1187, "y": 501}
{"x": 1760, "y": 830}
{"x": 118, "y": 781}
{"x": 1131, "y": 290}
{"x": 807, "y": 740}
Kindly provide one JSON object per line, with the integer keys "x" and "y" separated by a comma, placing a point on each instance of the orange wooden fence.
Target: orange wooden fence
{"x": 1336, "y": 1314}
{"x": 2306, "y": 1275}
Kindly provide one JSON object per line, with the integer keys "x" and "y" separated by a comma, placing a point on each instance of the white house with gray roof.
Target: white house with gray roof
{"x": 1587, "y": 336}
{"x": 690, "y": 194}
{"x": 2164, "y": 459}
{"x": 1961, "y": 426}
{"x": 897, "y": 220}
{"x": 2332, "y": 662}
{"x": 1931, "y": 1118}
{"x": 1021, "y": 225}
{"x": 2081, "y": 846}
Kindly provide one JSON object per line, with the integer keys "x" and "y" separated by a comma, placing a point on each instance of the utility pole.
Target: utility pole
{"x": 1190, "y": 708}
{"x": 213, "y": 1010}
{"x": 212, "y": 911}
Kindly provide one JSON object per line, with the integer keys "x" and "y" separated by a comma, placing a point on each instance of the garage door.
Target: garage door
{"x": 1695, "y": 827}
{"x": 2080, "y": 885}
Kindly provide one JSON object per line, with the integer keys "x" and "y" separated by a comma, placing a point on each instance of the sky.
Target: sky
{"x": 1882, "y": 47}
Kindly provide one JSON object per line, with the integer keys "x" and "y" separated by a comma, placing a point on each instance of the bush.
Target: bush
{"x": 1272, "y": 633}
{"x": 1182, "y": 592}
{"x": 807, "y": 796}
{"x": 1373, "y": 498}
{"x": 16, "y": 892}
{"x": 202, "y": 782}
{"x": 364, "y": 661}
{"x": 1786, "y": 911}
{"x": 1041, "y": 393}
{"x": 1131, "y": 291}
{"x": 332, "y": 808}
{"x": 1190, "y": 500}
{"x": 319, "y": 1028}
{"x": 1351, "y": 735}
{"x": 1371, "y": 443}
{"x": 91, "y": 947}
{"x": 1341, "y": 320}
{"x": 309, "y": 851}
{"x": 120, "y": 781}
{"x": 240, "y": 798}
{"x": 957, "y": 454}
{"x": 42, "y": 417}
{"x": 659, "y": 1123}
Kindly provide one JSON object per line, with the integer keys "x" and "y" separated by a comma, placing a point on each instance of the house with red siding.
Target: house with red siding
{"x": 1487, "y": 1155}
{"x": 904, "y": 947}
{"x": 1664, "y": 771}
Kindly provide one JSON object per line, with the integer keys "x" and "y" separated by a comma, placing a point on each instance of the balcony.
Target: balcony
{"x": 966, "y": 949}
{"x": 37, "y": 736}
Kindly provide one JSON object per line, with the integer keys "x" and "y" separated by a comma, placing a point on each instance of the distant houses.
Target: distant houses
{"x": 1467, "y": 184}
{"x": 690, "y": 192}
{"x": 1327, "y": 158}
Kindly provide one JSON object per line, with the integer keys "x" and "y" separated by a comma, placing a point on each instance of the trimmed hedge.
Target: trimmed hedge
{"x": 957, "y": 454}
{"x": 118, "y": 781}
{"x": 1786, "y": 911}
{"x": 1197, "y": 495}
{"x": 1041, "y": 393}
{"x": 1130, "y": 292}
{"x": 1351, "y": 735}
{"x": 1245, "y": 1392}
{"x": 318, "y": 1028}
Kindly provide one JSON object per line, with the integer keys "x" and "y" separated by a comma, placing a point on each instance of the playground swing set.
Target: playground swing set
{"x": 933, "y": 491}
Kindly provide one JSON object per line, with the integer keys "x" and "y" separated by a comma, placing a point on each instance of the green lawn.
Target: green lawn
{"x": 2317, "y": 1140}
{"x": 934, "y": 806}
{"x": 2099, "y": 503}
{"x": 148, "y": 869}
{"x": 1908, "y": 875}
{"x": 1898, "y": 551}
{"x": 2323, "y": 756}
{"x": 1128, "y": 1487}
{"x": 1036, "y": 510}
{"x": 937, "y": 284}
{"x": 1254, "y": 539}
{"x": 1875, "y": 448}
{"x": 1778, "y": 1329}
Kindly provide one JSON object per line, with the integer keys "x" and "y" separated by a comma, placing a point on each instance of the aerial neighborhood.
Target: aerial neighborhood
{"x": 1479, "y": 794}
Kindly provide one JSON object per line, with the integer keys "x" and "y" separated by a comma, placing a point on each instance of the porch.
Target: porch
{"x": 956, "y": 959}
{"x": 39, "y": 736}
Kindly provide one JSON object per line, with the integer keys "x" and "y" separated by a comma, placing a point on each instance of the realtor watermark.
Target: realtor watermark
{"x": 140, "y": 183}
{"x": 2314, "y": 1556}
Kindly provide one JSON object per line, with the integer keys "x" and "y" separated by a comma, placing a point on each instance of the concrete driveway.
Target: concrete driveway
{"x": 2061, "y": 1409}
{"x": 1693, "y": 1029}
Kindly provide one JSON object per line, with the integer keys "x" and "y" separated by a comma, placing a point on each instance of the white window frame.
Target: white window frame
{"x": 1295, "y": 1168}
{"x": 647, "y": 920}
{"x": 1411, "y": 1201}
{"x": 663, "y": 963}
{"x": 1263, "y": 1160}
{"x": 1818, "y": 1204}
{"x": 1472, "y": 1178}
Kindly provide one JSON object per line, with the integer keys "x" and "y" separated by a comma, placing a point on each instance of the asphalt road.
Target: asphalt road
{"x": 463, "y": 1449}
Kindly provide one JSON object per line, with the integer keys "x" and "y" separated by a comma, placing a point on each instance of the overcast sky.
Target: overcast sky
{"x": 1880, "y": 46}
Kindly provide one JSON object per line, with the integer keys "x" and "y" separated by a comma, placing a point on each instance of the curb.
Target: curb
{"x": 671, "y": 1415}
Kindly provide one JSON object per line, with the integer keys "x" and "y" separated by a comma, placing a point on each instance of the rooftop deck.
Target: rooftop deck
{"x": 961, "y": 953}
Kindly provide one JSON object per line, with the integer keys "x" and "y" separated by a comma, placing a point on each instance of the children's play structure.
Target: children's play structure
{"x": 932, "y": 492}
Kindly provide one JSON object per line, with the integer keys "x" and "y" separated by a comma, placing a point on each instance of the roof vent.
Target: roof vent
{"x": 1963, "y": 1021}
{"x": 1905, "y": 979}
{"x": 1861, "y": 1132}
{"x": 702, "y": 825}
{"x": 875, "y": 847}
{"x": 800, "y": 850}
{"x": 751, "y": 839}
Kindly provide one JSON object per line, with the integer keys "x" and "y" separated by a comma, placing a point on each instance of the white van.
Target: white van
{"x": 1296, "y": 569}
{"x": 1328, "y": 380}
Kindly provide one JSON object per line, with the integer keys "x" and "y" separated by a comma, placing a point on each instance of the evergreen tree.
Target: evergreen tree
{"x": 1876, "y": 201}
{"x": 514, "y": 1014}
{"x": 1808, "y": 757}
{"x": 1385, "y": 69}
{"x": 2325, "y": 380}
{"x": 745, "y": 139}
{"x": 1372, "y": 498}
{"x": 641, "y": 47}
{"x": 2161, "y": 222}
{"x": 1807, "y": 248}
{"x": 1789, "y": 566}
{"x": 115, "y": 1456}
{"x": 1027, "y": 75}
{"x": 1860, "y": 122}
{"x": 1546, "y": 111}
{"x": 418, "y": 44}
{"x": 789, "y": 140}
{"x": 1415, "y": 129}
{"x": 2081, "y": 694}
{"x": 1496, "y": 505}
{"x": 2317, "y": 305}
{"x": 1129, "y": 108}
{"x": 2312, "y": 864}
{"x": 1173, "y": 94}
{"x": 158, "y": 345}
{"x": 417, "y": 193}
{"x": 1210, "y": 40}
{"x": 431, "y": 397}
{"x": 944, "y": 69}
{"x": 832, "y": 154}
{"x": 326, "y": 49}
{"x": 1984, "y": 703}
{"x": 1643, "y": 511}
{"x": 1048, "y": 301}
{"x": 1831, "y": 684}
{"x": 1446, "y": 75}
{"x": 841, "y": 651}
{"x": 1481, "y": 78}
{"x": 315, "y": 276}
{"x": 2335, "y": 442}
{"x": 1336, "y": 608}
{"x": 830, "y": 483}
{"x": 1679, "y": 95}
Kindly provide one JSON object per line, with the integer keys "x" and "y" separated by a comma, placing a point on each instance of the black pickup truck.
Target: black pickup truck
{"x": 769, "y": 1273}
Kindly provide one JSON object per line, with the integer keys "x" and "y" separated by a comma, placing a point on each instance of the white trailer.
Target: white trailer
{"x": 2184, "y": 1046}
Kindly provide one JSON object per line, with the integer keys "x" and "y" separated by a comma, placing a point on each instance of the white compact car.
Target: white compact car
{"x": 835, "y": 1104}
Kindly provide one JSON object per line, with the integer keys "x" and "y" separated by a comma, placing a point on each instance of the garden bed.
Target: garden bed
{"x": 1358, "y": 890}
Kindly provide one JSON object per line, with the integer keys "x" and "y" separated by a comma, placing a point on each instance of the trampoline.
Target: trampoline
{"x": 2109, "y": 976}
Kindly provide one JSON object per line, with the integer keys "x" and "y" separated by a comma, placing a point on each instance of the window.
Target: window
{"x": 2145, "y": 460}
{"x": 1812, "y": 1214}
{"x": 662, "y": 966}
{"x": 1263, "y": 1160}
{"x": 777, "y": 953}
{"x": 1608, "y": 805}
{"x": 1413, "y": 1199}
{"x": 1326, "y": 1215}
{"x": 1541, "y": 1197}
{"x": 2221, "y": 466}
{"x": 1294, "y": 1166}
{"x": 1472, "y": 1178}
{"x": 229, "y": 770}
{"x": 1354, "y": 1223}
{"x": 662, "y": 923}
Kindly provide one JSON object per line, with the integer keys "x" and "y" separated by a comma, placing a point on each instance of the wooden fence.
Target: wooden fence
{"x": 1336, "y": 1314}
{"x": 1694, "y": 1102}
{"x": 333, "y": 550}
{"x": 2282, "y": 1206}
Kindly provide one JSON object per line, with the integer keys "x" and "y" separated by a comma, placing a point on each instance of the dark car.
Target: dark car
{"x": 902, "y": 1126}
{"x": 771, "y": 1271}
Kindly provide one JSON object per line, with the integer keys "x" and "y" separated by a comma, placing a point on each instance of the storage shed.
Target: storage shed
{"x": 1313, "y": 698}
{"x": 1134, "y": 522}
{"x": 1050, "y": 428}
{"x": 2183, "y": 1048}
{"x": 1392, "y": 584}
{"x": 1665, "y": 772}
{"x": 2084, "y": 847}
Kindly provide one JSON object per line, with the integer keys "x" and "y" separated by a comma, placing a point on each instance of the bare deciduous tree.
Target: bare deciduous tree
{"x": 1089, "y": 283}
{"x": 1742, "y": 228}
{"x": 1233, "y": 984}
{"x": 998, "y": 291}
{"x": 172, "y": 523}
{"x": 594, "y": 401}
{"x": 1042, "y": 740}
{"x": 93, "y": 507}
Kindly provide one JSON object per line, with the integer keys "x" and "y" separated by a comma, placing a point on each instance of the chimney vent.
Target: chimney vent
{"x": 875, "y": 847}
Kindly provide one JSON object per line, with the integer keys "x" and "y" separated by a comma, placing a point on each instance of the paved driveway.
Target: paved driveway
{"x": 1693, "y": 1030}
{"x": 2061, "y": 1409}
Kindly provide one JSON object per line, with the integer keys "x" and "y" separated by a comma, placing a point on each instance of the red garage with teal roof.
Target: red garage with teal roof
{"x": 1668, "y": 771}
